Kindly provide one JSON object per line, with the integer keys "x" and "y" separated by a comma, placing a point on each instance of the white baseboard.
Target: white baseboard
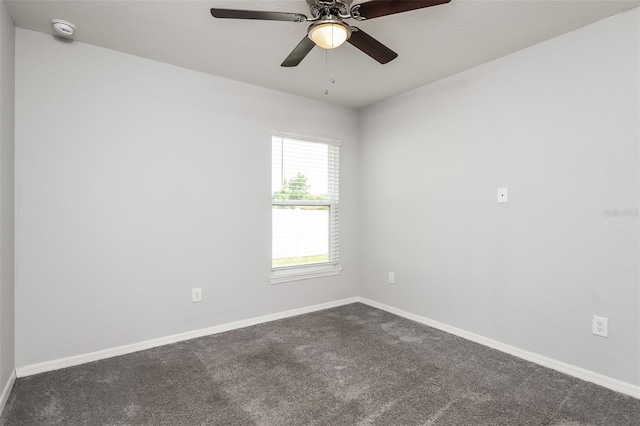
{"x": 7, "y": 391}
{"x": 42, "y": 367}
{"x": 580, "y": 373}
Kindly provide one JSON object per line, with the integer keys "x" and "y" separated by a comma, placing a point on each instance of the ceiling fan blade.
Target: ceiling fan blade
{"x": 377, "y": 8}
{"x": 257, "y": 14}
{"x": 299, "y": 53}
{"x": 371, "y": 46}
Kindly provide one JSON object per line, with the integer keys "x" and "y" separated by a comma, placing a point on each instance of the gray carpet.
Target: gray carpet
{"x": 352, "y": 365}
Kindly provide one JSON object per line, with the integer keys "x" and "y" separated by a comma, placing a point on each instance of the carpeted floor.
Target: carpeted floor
{"x": 352, "y": 365}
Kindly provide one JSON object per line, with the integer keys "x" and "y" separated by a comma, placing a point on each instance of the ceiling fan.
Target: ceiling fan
{"x": 328, "y": 29}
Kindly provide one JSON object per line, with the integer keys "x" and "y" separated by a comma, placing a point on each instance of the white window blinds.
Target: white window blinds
{"x": 305, "y": 207}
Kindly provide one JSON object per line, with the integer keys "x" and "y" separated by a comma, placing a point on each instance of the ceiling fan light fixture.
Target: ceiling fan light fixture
{"x": 329, "y": 33}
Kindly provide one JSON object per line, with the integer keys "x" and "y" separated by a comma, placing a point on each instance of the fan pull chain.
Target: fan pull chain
{"x": 328, "y": 71}
{"x": 331, "y": 66}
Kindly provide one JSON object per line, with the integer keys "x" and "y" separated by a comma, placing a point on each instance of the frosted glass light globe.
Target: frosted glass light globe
{"x": 329, "y": 35}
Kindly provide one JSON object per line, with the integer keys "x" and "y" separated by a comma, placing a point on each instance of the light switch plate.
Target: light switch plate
{"x": 196, "y": 295}
{"x": 503, "y": 195}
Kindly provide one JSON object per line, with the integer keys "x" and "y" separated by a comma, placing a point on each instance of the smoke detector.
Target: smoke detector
{"x": 63, "y": 28}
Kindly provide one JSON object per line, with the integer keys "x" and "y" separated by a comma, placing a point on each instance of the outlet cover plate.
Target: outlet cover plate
{"x": 600, "y": 326}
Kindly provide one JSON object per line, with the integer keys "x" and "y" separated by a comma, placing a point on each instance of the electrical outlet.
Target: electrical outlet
{"x": 196, "y": 295}
{"x": 600, "y": 326}
{"x": 392, "y": 278}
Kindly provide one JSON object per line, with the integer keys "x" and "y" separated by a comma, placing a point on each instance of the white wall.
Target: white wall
{"x": 558, "y": 125}
{"x": 7, "y": 281}
{"x": 136, "y": 181}
{"x": 135, "y": 178}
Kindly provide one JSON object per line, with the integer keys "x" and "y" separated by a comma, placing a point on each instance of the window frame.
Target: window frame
{"x": 290, "y": 273}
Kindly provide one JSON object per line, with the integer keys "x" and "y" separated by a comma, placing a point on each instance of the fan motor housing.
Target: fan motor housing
{"x": 320, "y": 8}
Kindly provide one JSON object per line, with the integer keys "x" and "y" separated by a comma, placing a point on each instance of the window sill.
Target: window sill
{"x": 298, "y": 274}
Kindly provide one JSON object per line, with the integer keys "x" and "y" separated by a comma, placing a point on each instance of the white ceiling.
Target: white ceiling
{"x": 432, "y": 43}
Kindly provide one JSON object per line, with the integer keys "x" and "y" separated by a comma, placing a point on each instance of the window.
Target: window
{"x": 304, "y": 207}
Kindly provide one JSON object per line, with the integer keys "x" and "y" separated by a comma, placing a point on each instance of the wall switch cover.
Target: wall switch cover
{"x": 196, "y": 295}
{"x": 503, "y": 195}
